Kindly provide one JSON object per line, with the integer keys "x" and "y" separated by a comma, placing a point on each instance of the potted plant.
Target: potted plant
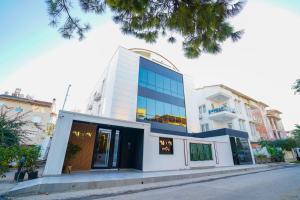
{"x": 71, "y": 152}
{"x": 31, "y": 161}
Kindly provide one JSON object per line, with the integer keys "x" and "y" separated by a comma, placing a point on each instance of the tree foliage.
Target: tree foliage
{"x": 14, "y": 128}
{"x": 202, "y": 24}
{"x": 296, "y": 86}
{"x": 296, "y": 134}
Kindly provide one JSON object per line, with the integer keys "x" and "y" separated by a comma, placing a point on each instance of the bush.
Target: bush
{"x": 7, "y": 155}
{"x": 14, "y": 154}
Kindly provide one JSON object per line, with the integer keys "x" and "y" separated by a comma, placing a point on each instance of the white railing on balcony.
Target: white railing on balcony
{"x": 221, "y": 109}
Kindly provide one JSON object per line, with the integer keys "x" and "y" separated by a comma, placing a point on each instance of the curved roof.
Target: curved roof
{"x": 155, "y": 57}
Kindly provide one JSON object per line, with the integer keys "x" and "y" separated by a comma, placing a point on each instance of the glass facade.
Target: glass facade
{"x": 160, "y": 95}
{"x": 159, "y": 83}
{"x": 153, "y": 110}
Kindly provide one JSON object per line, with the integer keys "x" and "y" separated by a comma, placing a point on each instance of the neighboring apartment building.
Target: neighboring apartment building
{"x": 143, "y": 114}
{"x": 40, "y": 114}
{"x": 276, "y": 124}
{"x": 223, "y": 107}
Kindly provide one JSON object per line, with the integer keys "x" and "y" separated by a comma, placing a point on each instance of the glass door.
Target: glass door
{"x": 102, "y": 148}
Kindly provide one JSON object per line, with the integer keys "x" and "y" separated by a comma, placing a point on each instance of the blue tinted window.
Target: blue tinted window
{"x": 143, "y": 77}
{"x": 180, "y": 89}
{"x": 181, "y": 112}
{"x": 167, "y": 85}
{"x": 151, "y": 80}
{"x": 151, "y": 107}
{"x": 159, "y": 108}
{"x": 168, "y": 110}
{"x": 175, "y": 111}
{"x": 159, "y": 83}
{"x": 174, "y": 88}
{"x": 142, "y": 107}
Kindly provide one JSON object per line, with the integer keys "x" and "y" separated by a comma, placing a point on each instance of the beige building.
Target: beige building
{"x": 41, "y": 114}
{"x": 276, "y": 124}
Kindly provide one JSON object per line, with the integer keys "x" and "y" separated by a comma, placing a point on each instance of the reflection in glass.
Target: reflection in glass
{"x": 116, "y": 148}
{"x": 102, "y": 148}
{"x": 153, "y": 110}
{"x": 160, "y": 83}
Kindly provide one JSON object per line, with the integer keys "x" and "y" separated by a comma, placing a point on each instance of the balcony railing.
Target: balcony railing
{"x": 221, "y": 109}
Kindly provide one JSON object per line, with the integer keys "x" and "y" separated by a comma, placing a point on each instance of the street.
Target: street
{"x": 281, "y": 184}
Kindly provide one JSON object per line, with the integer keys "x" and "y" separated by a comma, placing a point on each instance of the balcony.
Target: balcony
{"x": 222, "y": 114}
{"x": 219, "y": 97}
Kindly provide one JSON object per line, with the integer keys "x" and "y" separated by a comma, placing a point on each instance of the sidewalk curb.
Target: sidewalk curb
{"x": 208, "y": 178}
{"x": 139, "y": 185}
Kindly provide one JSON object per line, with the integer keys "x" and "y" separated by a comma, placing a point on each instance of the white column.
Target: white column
{"x": 58, "y": 146}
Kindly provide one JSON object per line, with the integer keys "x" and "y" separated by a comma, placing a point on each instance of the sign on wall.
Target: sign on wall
{"x": 165, "y": 145}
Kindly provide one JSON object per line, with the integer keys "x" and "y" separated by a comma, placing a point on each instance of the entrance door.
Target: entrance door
{"x": 102, "y": 148}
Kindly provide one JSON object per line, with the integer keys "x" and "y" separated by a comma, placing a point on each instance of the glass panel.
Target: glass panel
{"x": 175, "y": 111}
{"x": 180, "y": 89}
{"x": 116, "y": 149}
{"x": 141, "y": 108}
{"x": 151, "y": 80}
{"x": 159, "y": 83}
{"x": 150, "y": 108}
{"x": 174, "y": 88}
{"x": 167, "y": 86}
{"x": 143, "y": 77}
{"x": 102, "y": 148}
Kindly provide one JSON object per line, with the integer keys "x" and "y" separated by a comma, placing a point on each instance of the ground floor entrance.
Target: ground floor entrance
{"x": 105, "y": 147}
{"x": 241, "y": 152}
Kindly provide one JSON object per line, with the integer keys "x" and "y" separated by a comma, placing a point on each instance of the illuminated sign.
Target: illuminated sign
{"x": 78, "y": 133}
{"x": 165, "y": 145}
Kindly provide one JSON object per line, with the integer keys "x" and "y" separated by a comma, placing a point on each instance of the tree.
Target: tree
{"x": 202, "y": 24}
{"x": 296, "y": 86}
{"x": 296, "y": 134}
{"x": 14, "y": 128}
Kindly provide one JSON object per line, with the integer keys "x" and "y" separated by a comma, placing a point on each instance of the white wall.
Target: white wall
{"x": 192, "y": 114}
{"x": 124, "y": 97}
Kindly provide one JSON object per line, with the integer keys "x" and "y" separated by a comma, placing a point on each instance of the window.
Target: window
{"x": 160, "y": 83}
{"x": 242, "y": 124}
{"x": 153, "y": 110}
{"x": 204, "y": 127}
{"x": 253, "y": 129}
{"x": 200, "y": 152}
{"x": 18, "y": 109}
{"x": 36, "y": 119}
{"x": 238, "y": 106}
{"x": 202, "y": 109}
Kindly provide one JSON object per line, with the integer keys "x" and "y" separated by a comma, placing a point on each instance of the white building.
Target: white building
{"x": 143, "y": 114}
{"x": 223, "y": 107}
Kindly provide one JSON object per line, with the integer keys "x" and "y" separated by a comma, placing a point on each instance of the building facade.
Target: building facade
{"x": 223, "y": 107}
{"x": 143, "y": 114}
{"x": 39, "y": 114}
{"x": 276, "y": 124}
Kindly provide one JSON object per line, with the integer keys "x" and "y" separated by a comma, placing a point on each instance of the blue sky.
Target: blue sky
{"x": 25, "y": 32}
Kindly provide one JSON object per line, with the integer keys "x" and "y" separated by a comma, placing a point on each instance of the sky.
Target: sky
{"x": 263, "y": 64}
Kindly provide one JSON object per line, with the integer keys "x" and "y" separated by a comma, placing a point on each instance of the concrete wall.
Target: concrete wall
{"x": 152, "y": 160}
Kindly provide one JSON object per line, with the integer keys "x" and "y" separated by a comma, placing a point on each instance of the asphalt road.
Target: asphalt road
{"x": 280, "y": 184}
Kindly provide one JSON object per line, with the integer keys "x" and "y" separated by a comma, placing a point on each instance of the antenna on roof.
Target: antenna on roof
{"x": 67, "y": 94}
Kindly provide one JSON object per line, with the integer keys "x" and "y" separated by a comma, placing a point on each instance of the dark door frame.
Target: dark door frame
{"x": 112, "y": 146}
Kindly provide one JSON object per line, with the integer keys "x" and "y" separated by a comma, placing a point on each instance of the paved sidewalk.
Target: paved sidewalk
{"x": 127, "y": 189}
{"x": 108, "y": 179}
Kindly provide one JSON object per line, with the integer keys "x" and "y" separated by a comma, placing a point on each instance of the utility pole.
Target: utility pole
{"x": 67, "y": 94}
